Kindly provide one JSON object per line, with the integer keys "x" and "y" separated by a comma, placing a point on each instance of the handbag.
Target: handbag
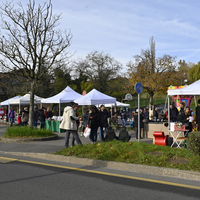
{"x": 87, "y": 132}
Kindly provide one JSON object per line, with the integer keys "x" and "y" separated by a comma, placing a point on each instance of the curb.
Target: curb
{"x": 55, "y": 137}
{"x": 160, "y": 171}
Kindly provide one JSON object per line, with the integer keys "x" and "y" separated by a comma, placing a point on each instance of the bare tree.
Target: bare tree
{"x": 31, "y": 42}
{"x": 100, "y": 68}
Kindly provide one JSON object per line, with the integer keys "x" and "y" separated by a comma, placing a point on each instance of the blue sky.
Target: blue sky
{"x": 122, "y": 28}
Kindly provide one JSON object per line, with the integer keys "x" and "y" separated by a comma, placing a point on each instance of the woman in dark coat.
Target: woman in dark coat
{"x": 93, "y": 123}
{"x": 183, "y": 117}
{"x": 42, "y": 118}
{"x": 136, "y": 123}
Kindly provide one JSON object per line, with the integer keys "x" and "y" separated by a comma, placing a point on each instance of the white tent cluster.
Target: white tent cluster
{"x": 94, "y": 97}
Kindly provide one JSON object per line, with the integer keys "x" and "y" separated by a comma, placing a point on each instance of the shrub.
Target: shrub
{"x": 194, "y": 142}
{"x": 26, "y": 131}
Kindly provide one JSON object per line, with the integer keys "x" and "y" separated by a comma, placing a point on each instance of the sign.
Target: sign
{"x": 128, "y": 97}
{"x": 138, "y": 87}
{"x": 84, "y": 93}
{"x": 2, "y": 112}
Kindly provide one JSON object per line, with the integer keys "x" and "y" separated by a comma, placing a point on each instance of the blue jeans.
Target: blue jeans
{"x": 35, "y": 124}
{"x": 101, "y": 133}
{"x": 11, "y": 120}
{"x": 93, "y": 134}
{"x": 124, "y": 122}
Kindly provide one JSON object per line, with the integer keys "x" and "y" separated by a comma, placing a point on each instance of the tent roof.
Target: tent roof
{"x": 6, "y": 102}
{"x": 94, "y": 97}
{"x": 118, "y": 104}
{"x": 192, "y": 89}
{"x": 25, "y": 100}
{"x": 65, "y": 96}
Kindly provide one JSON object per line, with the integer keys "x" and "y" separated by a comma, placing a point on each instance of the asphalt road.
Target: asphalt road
{"x": 23, "y": 178}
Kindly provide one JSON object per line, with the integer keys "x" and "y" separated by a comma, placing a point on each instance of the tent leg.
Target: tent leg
{"x": 169, "y": 114}
{"x": 59, "y": 116}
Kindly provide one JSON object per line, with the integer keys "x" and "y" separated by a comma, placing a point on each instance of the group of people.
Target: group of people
{"x": 94, "y": 118}
{"x": 23, "y": 116}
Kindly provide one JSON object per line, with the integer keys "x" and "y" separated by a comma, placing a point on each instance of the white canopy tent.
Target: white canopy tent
{"x": 94, "y": 97}
{"x": 6, "y": 102}
{"x": 67, "y": 95}
{"x": 25, "y": 100}
{"x": 192, "y": 89}
{"x": 118, "y": 104}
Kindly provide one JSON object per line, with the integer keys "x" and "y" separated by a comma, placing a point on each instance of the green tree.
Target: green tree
{"x": 194, "y": 73}
{"x": 30, "y": 41}
{"x": 156, "y": 74}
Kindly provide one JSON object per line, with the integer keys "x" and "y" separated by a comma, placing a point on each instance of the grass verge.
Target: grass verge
{"x": 26, "y": 132}
{"x": 137, "y": 153}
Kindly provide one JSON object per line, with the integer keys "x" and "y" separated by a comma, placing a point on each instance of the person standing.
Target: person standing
{"x": 36, "y": 116}
{"x": 93, "y": 123}
{"x": 136, "y": 124}
{"x": 198, "y": 115}
{"x": 11, "y": 115}
{"x": 173, "y": 113}
{"x": 124, "y": 118}
{"x": 146, "y": 115}
{"x": 185, "y": 119}
{"x": 49, "y": 114}
{"x": 25, "y": 116}
{"x": 104, "y": 115}
{"x": 69, "y": 124}
{"x": 77, "y": 121}
{"x": 42, "y": 118}
{"x": 85, "y": 118}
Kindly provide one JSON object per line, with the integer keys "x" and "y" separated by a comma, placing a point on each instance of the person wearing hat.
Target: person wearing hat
{"x": 136, "y": 123}
{"x": 25, "y": 116}
{"x": 198, "y": 115}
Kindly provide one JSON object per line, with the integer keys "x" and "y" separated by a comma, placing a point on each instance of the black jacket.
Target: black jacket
{"x": 136, "y": 120}
{"x": 182, "y": 117}
{"x": 41, "y": 115}
{"x": 173, "y": 114}
{"x": 94, "y": 122}
{"x": 198, "y": 114}
{"x": 104, "y": 118}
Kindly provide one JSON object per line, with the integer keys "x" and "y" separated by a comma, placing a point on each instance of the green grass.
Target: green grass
{"x": 26, "y": 132}
{"x": 137, "y": 153}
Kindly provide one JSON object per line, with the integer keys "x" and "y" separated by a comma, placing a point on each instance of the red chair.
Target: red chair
{"x": 160, "y": 138}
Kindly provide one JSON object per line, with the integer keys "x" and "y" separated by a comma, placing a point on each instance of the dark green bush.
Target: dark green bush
{"x": 194, "y": 142}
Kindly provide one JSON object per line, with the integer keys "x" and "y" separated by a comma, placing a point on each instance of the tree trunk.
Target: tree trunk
{"x": 151, "y": 98}
{"x": 31, "y": 107}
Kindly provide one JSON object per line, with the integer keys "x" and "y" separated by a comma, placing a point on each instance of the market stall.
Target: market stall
{"x": 66, "y": 96}
{"x": 190, "y": 90}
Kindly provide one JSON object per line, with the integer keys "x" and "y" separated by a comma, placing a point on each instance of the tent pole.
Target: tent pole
{"x": 195, "y": 100}
{"x": 169, "y": 114}
{"x": 59, "y": 115}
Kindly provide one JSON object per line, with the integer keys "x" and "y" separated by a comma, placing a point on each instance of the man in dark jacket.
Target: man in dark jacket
{"x": 123, "y": 135}
{"x": 42, "y": 117}
{"x": 136, "y": 123}
{"x": 198, "y": 115}
{"x": 173, "y": 113}
{"x": 36, "y": 116}
{"x": 104, "y": 115}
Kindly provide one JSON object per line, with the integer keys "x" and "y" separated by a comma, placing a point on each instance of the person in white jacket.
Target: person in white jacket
{"x": 69, "y": 124}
